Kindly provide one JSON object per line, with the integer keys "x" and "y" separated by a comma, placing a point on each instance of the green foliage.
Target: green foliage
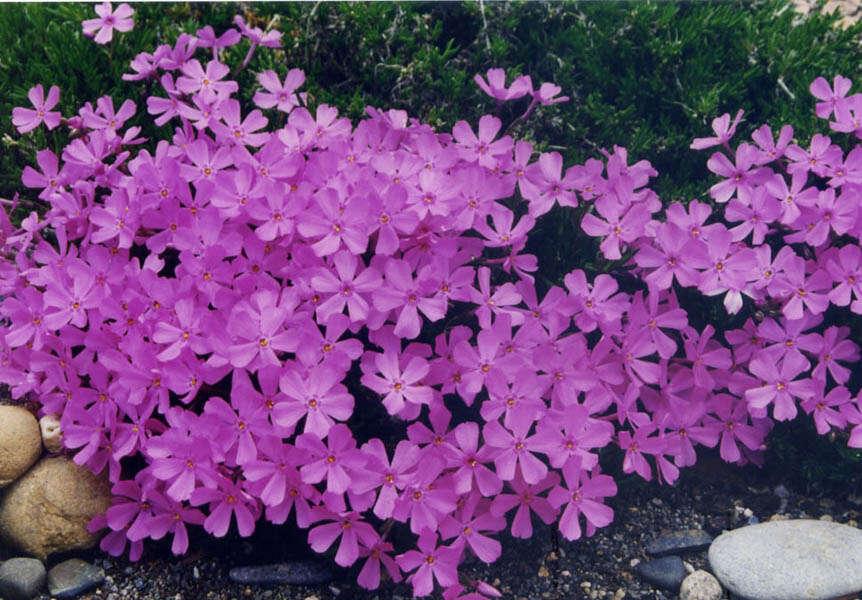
{"x": 649, "y": 76}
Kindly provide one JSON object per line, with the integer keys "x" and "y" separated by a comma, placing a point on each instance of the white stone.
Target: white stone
{"x": 788, "y": 560}
{"x": 700, "y": 585}
{"x": 52, "y": 436}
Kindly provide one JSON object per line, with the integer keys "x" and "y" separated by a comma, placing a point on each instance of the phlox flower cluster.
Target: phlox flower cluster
{"x": 198, "y": 301}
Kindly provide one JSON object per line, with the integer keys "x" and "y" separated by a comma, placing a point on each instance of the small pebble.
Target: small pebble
{"x": 700, "y": 585}
{"x": 667, "y": 572}
{"x": 543, "y": 572}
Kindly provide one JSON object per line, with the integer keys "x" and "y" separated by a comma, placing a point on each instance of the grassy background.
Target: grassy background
{"x": 644, "y": 75}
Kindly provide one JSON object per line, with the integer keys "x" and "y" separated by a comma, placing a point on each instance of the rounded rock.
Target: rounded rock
{"x": 700, "y": 585}
{"x": 47, "y": 510}
{"x": 775, "y": 560}
{"x": 20, "y": 442}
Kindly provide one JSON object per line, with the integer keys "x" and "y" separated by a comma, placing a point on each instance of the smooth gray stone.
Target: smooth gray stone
{"x": 301, "y": 572}
{"x": 21, "y": 578}
{"x": 687, "y": 540}
{"x": 73, "y": 577}
{"x": 667, "y": 572}
{"x": 789, "y": 560}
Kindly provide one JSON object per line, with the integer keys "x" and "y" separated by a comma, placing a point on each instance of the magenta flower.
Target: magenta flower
{"x": 346, "y": 525}
{"x": 337, "y": 463}
{"x": 318, "y": 396}
{"x": 27, "y": 119}
{"x": 514, "y": 449}
{"x": 470, "y": 459}
{"x": 828, "y": 96}
{"x": 496, "y": 85}
{"x": 282, "y": 96}
{"x": 526, "y": 497}
{"x": 398, "y": 386}
{"x": 723, "y": 129}
{"x": 430, "y": 562}
{"x": 582, "y": 495}
{"x": 779, "y": 384}
{"x": 467, "y": 525}
{"x": 103, "y": 27}
{"x": 226, "y": 500}
{"x": 369, "y": 576}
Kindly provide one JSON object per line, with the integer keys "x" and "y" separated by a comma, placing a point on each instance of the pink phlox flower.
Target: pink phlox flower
{"x": 239, "y": 425}
{"x": 428, "y": 498}
{"x": 848, "y": 116}
{"x": 236, "y": 130}
{"x": 670, "y": 257}
{"x": 802, "y": 292}
{"x": 745, "y": 341}
{"x": 793, "y": 197}
{"x": 483, "y": 591}
{"x": 821, "y": 156}
{"x": 638, "y": 444}
{"x": 619, "y": 224}
{"x": 51, "y": 180}
{"x": 105, "y": 117}
{"x": 187, "y": 332}
{"x": 282, "y": 96}
{"x": 345, "y": 287}
{"x": 551, "y": 315}
{"x": 703, "y": 351}
{"x": 828, "y": 96}
{"x": 182, "y": 461}
{"x": 346, "y": 525}
{"x": 852, "y": 411}
{"x": 723, "y": 129}
{"x": 547, "y": 94}
{"x": 515, "y": 449}
{"x": 478, "y": 364}
{"x": 224, "y": 501}
{"x": 633, "y": 350}
{"x": 527, "y": 498}
{"x": 550, "y": 186}
{"x": 430, "y": 562}
{"x": 323, "y": 129}
{"x": 326, "y": 348}
{"x": 207, "y": 160}
{"x": 338, "y": 462}
{"x": 270, "y": 39}
{"x": 389, "y": 477}
{"x": 482, "y": 148}
{"x": 257, "y": 324}
{"x": 332, "y": 224}
{"x": 597, "y": 303}
{"x": 850, "y": 171}
{"x": 206, "y": 38}
{"x": 166, "y": 108}
{"x": 838, "y": 214}
{"x": 517, "y": 396}
{"x": 688, "y": 420}
{"x": 569, "y": 433}
{"x": 583, "y": 495}
{"x": 779, "y": 386}
{"x": 739, "y": 178}
{"x": 71, "y": 301}
{"x": 692, "y": 218}
{"x": 496, "y": 85}
{"x": 117, "y": 219}
{"x": 172, "y": 517}
{"x": 316, "y": 395}
{"x": 771, "y": 150}
{"x": 208, "y": 82}
{"x": 500, "y": 301}
{"x": 761, "y": 210}
{"x": 845, "y": 268}
{"x": 789, "y": 337}
{"x": 502, "y": 233}
{"x": 103, "y": 27}
{"x": 273, "y": 473}
{"x": 93, "y": 431}
{"x": 825, "y": 408}
{"x": 836, "y": 346}
{"x": 28, "y": 119}
{"x": 369, "y": 575}
{"x": 398, "y": 385}
{"x": 733, "y": 416}
{"x": 654, "y": 315}
{"x": 435, "y": 195}
{"x": 470, "y": 460}
{"x": 409, "y": 295}
{"x": 469, "y": 525}
{"x": 144, "y": 67}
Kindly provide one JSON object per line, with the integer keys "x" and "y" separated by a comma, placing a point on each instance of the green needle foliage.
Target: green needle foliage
{"x": 649, "y": 76}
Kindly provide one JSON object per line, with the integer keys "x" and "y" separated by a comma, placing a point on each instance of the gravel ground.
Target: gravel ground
{"x": 711, "y": 496}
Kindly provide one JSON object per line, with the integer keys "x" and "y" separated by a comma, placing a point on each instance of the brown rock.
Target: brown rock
{"x": 20, "y": 442}
{"x": 47, "y": 510}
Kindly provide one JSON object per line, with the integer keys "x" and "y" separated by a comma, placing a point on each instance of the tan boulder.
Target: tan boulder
{"x": 52, "y": 435}
{"x": 20, "y": 442}
{"x": 47, "y": 510}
